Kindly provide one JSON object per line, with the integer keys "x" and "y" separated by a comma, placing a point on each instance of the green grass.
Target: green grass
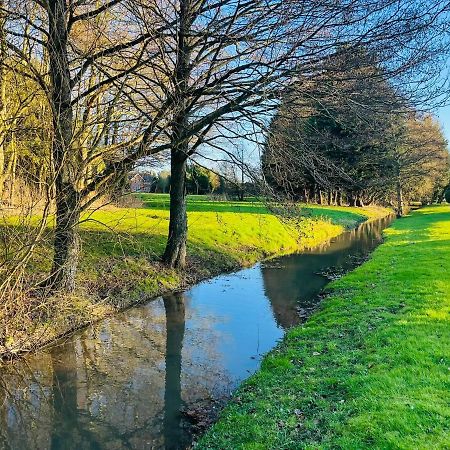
{"x": 121, "y": 247}
{"x": 371, "y": 369}
{"x": 223, "y": 235}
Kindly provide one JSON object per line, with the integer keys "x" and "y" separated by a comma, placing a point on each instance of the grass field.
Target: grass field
{"x": 223, "y": 235}
{"x": 371, "y": 369}
{"x": 121, "y": 248}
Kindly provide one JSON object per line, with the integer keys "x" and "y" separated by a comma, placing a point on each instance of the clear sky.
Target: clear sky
{"x": 444, "y": 117}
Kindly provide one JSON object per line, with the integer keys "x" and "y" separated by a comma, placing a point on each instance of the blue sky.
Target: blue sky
{"x": 444, "y": 117}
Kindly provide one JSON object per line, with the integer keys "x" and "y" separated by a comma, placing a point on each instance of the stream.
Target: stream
{"x": 154, "y": 375}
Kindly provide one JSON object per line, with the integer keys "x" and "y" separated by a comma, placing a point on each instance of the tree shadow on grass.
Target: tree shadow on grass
{"x": 420, "y": 224}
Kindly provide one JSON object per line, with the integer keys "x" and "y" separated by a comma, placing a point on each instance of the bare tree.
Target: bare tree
{"x": 2, "y": 96}
{"x": 176, "y": 75}
{"x": 83, "y": 80}
{"x": 221, "y": 62}
{"x": 420, "y": 161}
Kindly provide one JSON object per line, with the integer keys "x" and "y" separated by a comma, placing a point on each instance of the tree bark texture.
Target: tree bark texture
{"x": 66, "y": 240}
{"x": 400, "y": 202}
{"x": 2, "y": 97}
{"x": 175, "y": 252}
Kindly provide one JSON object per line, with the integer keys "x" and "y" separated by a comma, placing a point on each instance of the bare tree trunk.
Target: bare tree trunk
{"x": 360, "y": 201}
{"x": 66, "y": 240}
{"x": 241, "y": 187}
{"x": 306, "y": 194}
{"x": 11, "y": 167}
{"x": 2, "y": 97}
{"x": 175, "y": 253}
{"x": 400, "y": 203}
{"x": 320, "y": 197}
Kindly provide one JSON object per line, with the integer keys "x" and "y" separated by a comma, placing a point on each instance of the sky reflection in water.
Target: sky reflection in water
{"x": 122, "y": 383}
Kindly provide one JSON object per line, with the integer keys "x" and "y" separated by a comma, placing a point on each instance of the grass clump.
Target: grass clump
{"x": 371, "y": 368}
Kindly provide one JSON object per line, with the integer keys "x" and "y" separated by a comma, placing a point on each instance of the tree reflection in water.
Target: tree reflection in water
{"x": 292, "y": 283}
{"x": 174, "y": 437}
{"x": 115, "y": 385}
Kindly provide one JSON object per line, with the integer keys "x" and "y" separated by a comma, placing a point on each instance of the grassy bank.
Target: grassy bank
{"x": 120, "y": 258}
{"x": 371, "y": 368}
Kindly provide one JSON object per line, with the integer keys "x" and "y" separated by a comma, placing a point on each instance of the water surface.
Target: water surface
{"x": 128, "y": 382}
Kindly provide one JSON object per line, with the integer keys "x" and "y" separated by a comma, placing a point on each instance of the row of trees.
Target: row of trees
{"x": 351, "y": 137}
{"x": 89, "y": 89}
{"x": 199, "y": 181}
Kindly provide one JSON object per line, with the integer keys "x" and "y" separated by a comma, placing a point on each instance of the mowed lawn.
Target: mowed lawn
{"x": 371, "y": 369}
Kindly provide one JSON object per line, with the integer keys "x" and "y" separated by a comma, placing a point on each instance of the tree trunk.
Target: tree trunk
{"x": 11, "y": 167}
{"x": 241, "y": 194}
{"x": 175, "y": 253}
{"x": 400, "y": 203}
{"x": 2, "y": 98}
{"x": 360, "y": 201}
{"x": 306, "y": 194}
{"x": 241, "y": 188}
{"x": 66, "y": 240}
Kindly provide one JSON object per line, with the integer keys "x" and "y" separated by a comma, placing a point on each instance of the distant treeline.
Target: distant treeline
{"x": 199, "y": 181}
{"x": 349, "y": 137}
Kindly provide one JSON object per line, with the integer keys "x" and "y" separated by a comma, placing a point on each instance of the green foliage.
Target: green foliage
{"x": 163, "y": 183}
{"x": 201, "y": 180}
{"x": 370, "y": 369}
{"x": 447, "y": 195}
{"x": 324, "y": 139}
{"x": 343, "y": 139}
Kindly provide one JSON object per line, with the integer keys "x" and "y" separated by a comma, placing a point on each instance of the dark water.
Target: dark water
{"x": 128, "y": 382}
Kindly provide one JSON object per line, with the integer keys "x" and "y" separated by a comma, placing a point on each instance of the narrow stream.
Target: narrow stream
{"x": 141, "y": 379}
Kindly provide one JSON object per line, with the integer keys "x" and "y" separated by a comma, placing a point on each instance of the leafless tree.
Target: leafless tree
{"x": 127, "y": 79}
{"x": 420, "y": 161}
{"x": 80, "y": 56}
{"x": 2, "y": 96}
{"x": 221, "y": 62}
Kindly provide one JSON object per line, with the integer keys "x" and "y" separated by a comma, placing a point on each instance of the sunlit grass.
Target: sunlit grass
{"x": 121, "y": 249}
{"x": 222, "y": 235}
{"x": 371, "y": 368}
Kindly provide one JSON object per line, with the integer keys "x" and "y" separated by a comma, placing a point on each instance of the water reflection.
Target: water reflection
{"x": 292, "y": 282}
{"x": 123, "y": 384}
{"x": 175, "y": 325}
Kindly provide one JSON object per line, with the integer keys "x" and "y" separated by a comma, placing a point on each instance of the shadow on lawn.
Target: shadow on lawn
{"x": 195, "y": 203}
{"x": 424, "y": 221}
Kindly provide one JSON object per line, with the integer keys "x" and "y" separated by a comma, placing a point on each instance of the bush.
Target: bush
{"x": 447, "y": 195}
